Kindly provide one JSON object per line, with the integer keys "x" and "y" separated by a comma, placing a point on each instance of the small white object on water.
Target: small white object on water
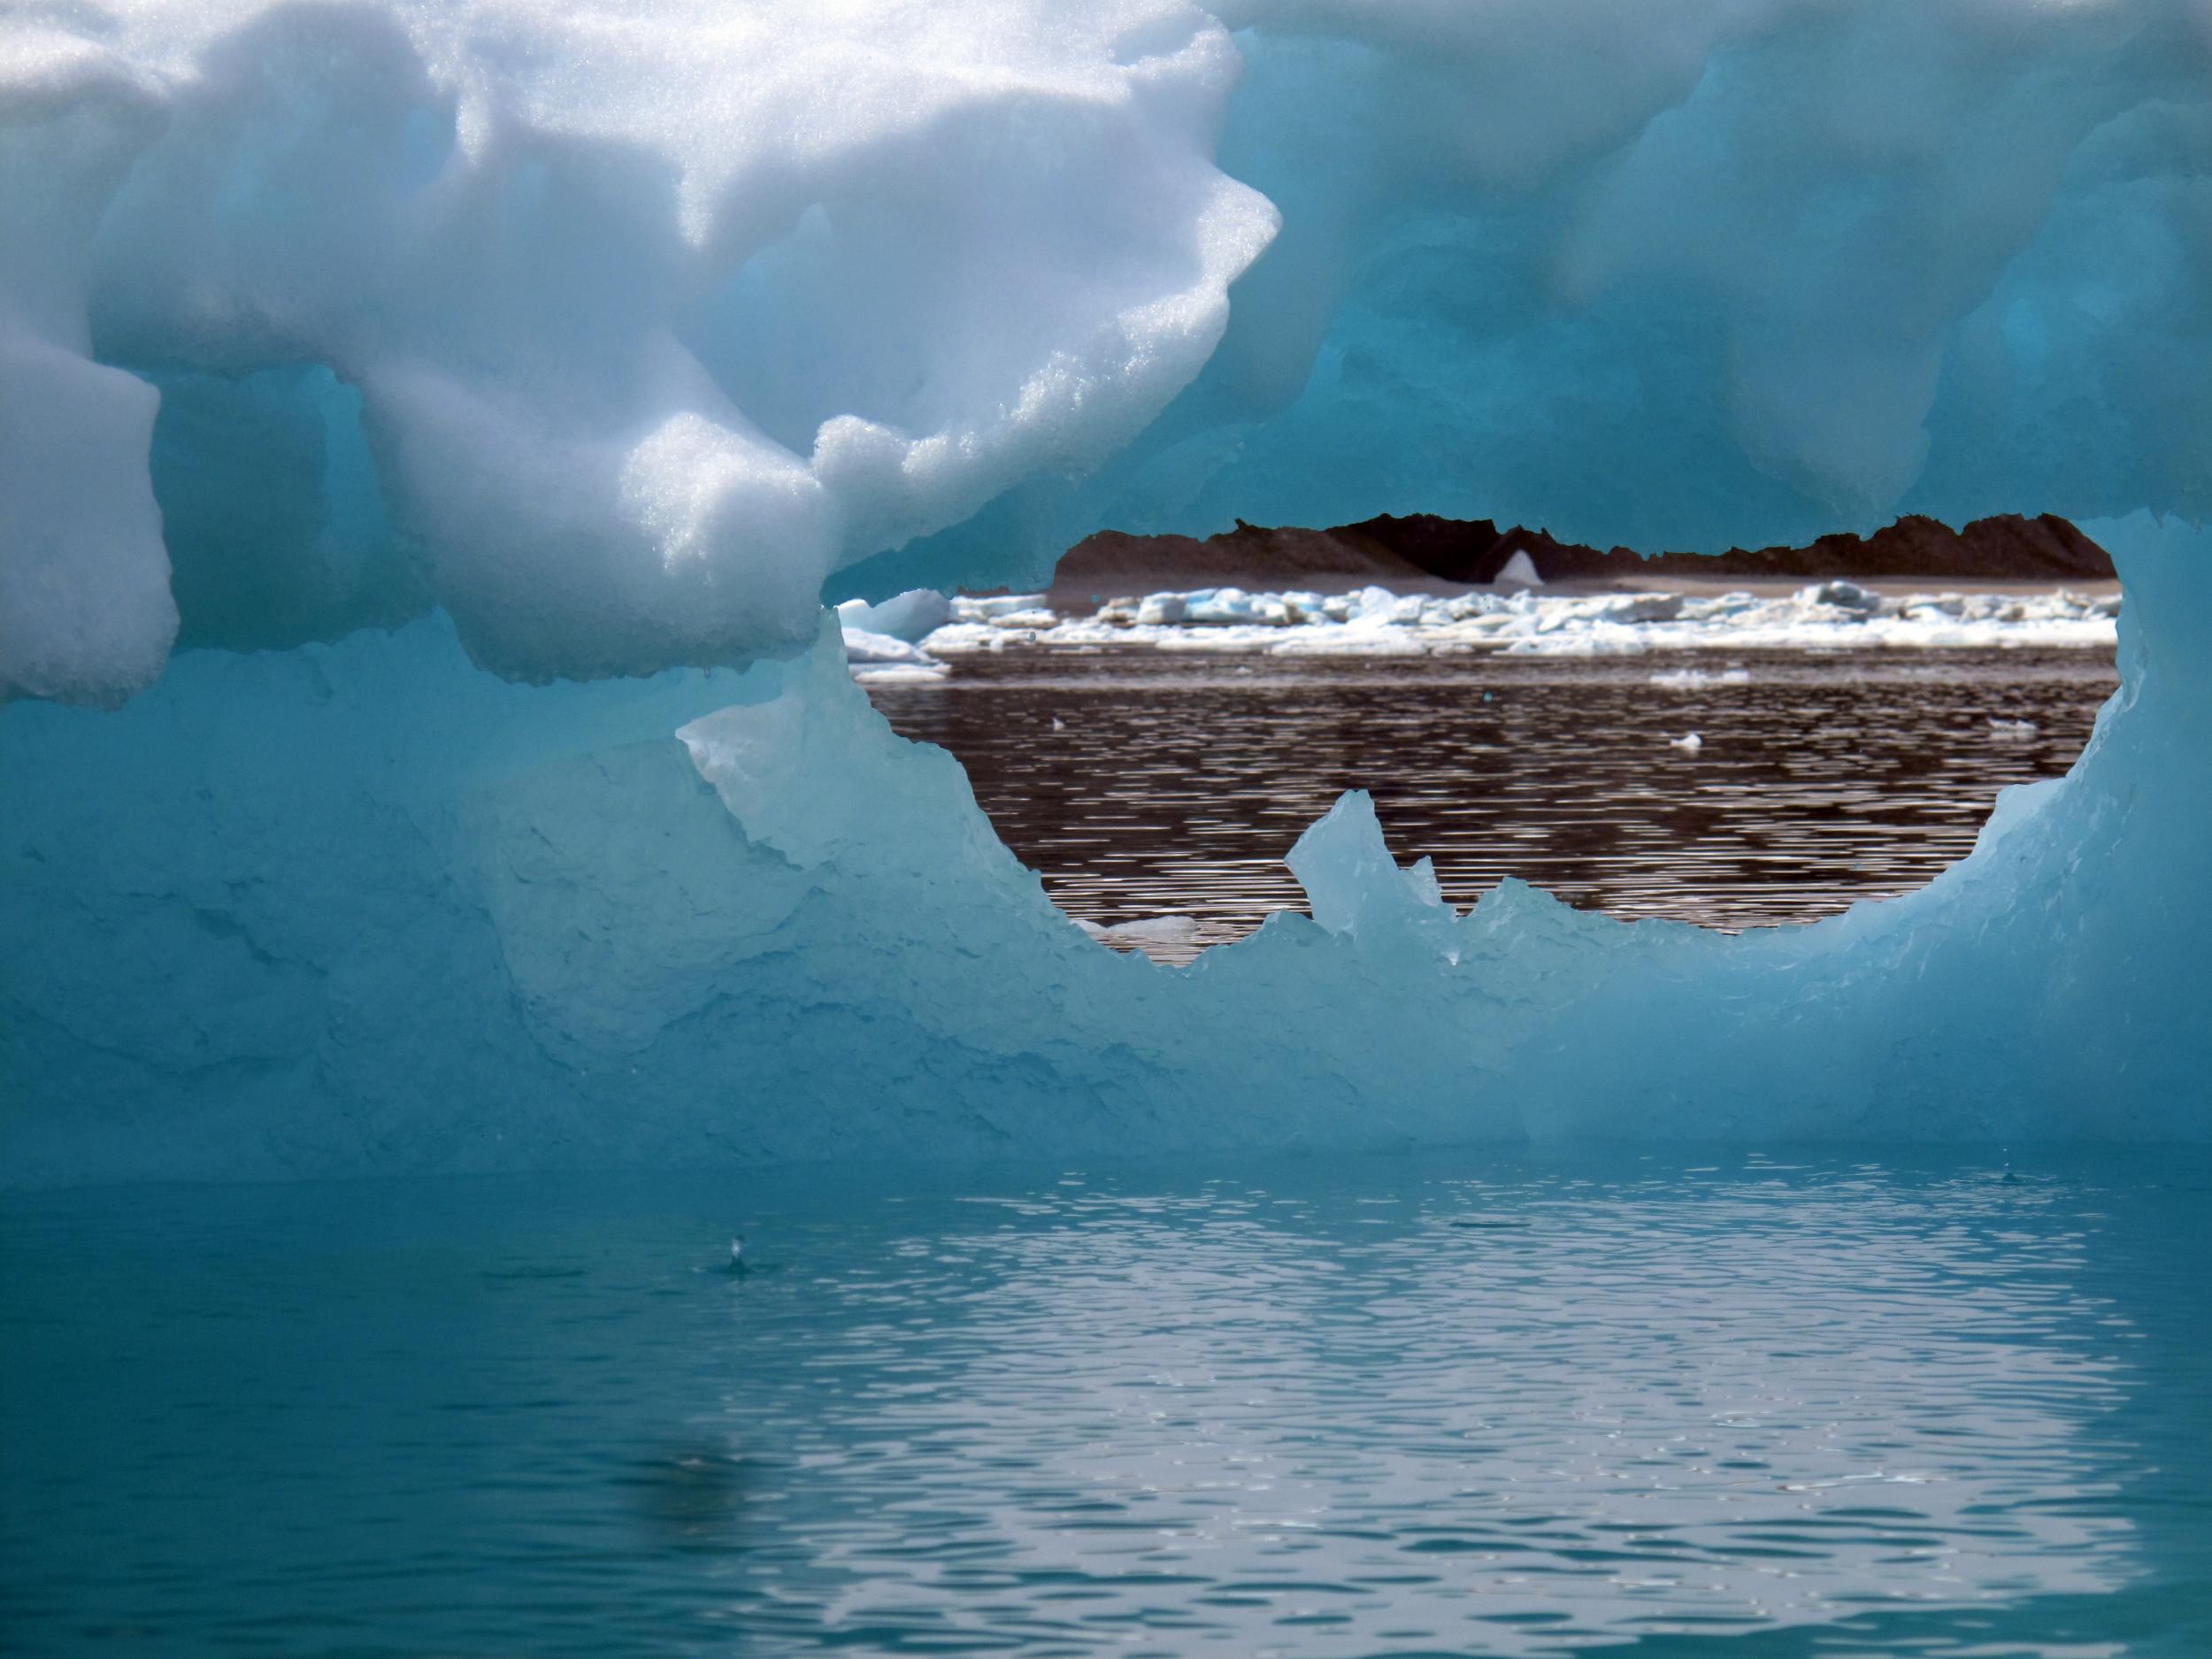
{"x": 1688, "y": 745}
{"x": 2013, "y": 728}
{"x": 737, "y": 1251}
{"x": 1059, "y": 725}
{"x": 1697, "y": 678}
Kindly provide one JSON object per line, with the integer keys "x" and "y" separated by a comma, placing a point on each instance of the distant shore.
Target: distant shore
{"x": 1450, "y": 558}
{"x": 1083, "y": 599}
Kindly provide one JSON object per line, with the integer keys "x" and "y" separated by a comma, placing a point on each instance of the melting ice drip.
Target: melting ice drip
{"x": 602, "y": 340}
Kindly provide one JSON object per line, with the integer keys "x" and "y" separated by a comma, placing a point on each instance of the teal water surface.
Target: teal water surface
{"x": 1675, "y": 1406}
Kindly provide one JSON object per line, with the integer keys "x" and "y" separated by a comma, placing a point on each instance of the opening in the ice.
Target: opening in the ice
{"x": 1746, "y": 740}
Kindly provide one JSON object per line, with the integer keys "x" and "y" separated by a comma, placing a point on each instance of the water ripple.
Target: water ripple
{"x": 1319, "y": 1414}
{"x": 1139, "y": 787}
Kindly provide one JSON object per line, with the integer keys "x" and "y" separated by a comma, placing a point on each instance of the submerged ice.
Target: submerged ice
{"x": 404, "y": 366}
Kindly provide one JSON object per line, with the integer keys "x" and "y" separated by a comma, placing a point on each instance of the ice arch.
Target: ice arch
{"x": 595, "y": 342}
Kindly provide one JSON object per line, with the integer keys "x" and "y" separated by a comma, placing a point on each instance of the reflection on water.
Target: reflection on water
{"x": 1395, "y": 1406}
{"x": 1140, "y": 783}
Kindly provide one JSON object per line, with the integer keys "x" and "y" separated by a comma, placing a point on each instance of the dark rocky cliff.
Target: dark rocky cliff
{"x": 1401, "y": 550}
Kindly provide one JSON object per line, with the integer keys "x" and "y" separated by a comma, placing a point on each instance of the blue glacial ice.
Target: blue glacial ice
{"x": 472, "y": 397}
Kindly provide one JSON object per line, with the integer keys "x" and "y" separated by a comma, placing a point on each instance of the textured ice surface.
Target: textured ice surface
{"x": 1376, "y": 622}
{"x": 618, "y": 328}
{"x": 367, "y": 906}
{"x": 654, "y": 314}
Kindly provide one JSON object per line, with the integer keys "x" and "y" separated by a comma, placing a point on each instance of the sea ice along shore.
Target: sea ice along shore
{"x": 1837, "y": 616}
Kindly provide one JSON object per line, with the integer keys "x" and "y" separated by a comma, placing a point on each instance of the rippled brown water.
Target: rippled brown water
{"x": 1141, "y": 784}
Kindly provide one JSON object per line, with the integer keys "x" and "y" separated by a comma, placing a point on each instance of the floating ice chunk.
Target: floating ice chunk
{"x": 1633, "y": 607}
{"x": 903, "y": 674}
{"x": 1698, "y": 679}
{"x": 1603, "y": 639}
{"x": 864, "y": 648}
{"x": 1689, "y": 744}
{"x": 1379, "y": 605}
{"x": 1364, "y": 639}
{"x": 1231, "y": 606}
{"x": 1840, "y": 595}
{"x": 1169, "y": 939}
{"x": 1162, "y": 610}
{"x": 878, "y": 659}
{"x": 998, "y": 607}
{"x": 2013, "y": 731}
{"x": 911, "y": 615}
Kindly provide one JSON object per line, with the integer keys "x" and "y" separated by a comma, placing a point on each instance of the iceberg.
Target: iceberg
{"x": 414, "y": 416}
{"x": 911, "y": 615}
{"x": 367, "y": 906}
{"x": 1163, "y": 938}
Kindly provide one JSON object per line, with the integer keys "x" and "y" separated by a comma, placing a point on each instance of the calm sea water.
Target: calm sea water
{"x": 1175, "y": 783}
{"x": 1663, "y": 1407}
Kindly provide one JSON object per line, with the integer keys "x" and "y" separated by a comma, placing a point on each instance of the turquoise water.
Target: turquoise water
{"x": 1653, "y": 1406}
